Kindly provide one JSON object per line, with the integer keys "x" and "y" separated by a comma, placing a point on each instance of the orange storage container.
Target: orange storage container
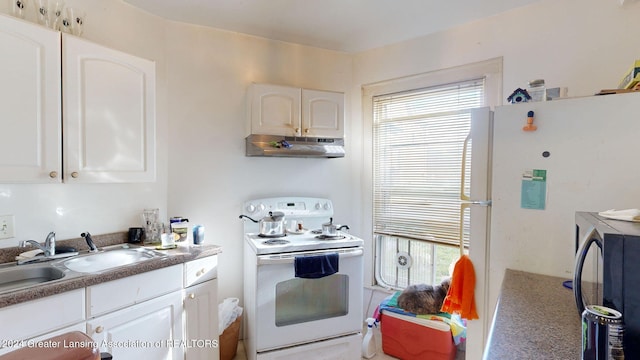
{"x": 411, "y": 338}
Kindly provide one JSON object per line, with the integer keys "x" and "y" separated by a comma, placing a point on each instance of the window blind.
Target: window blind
{"x": 418, "y": 140}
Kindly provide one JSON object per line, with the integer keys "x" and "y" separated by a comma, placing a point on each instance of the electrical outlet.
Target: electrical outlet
{"x": 7, "y": 227}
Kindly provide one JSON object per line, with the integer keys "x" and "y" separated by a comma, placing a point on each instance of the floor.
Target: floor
{"x": 240, "y": 354}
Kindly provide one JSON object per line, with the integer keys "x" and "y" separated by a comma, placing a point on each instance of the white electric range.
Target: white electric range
{"x": 287, "y": 316}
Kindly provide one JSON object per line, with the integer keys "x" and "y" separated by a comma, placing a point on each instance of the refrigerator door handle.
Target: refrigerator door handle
{"x": 463, "y": 172}
{"x": 590, "y": 239}
{"x": 466, "y": 199}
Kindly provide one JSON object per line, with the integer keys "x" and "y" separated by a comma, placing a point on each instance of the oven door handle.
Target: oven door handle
{"x": 290, "y": 258}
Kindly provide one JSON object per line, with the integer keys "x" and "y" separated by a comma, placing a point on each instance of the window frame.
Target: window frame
{"x": 490, "y": 70}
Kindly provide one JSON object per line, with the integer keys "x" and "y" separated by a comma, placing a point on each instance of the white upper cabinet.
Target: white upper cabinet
{"x": 102, "y": 99}
{"x": 275, "y": 110}
{"x": 322, "y": 113}
{"x": 30, "y": 150}
{"x": 290, "y": 111}
{"x": 108, "y": 114}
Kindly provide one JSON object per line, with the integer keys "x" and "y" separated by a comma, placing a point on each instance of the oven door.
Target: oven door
{"x": 292, "y": 311}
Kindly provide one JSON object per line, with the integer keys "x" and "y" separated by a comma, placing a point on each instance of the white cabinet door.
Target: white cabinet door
{"x": 275, "y": 110}
{"x": 149, "y": 330}
{"x": 108, "y": 114}
{"x": 322, "y": 113}
{"x": 30, "y": 150}
{"x": 201, "y": 316}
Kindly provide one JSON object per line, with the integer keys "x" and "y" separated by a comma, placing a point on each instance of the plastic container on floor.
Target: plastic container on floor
{"x": 411, "y": 338}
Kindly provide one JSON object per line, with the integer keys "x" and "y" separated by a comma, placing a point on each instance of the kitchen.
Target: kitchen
{"x": 202, "y": 79}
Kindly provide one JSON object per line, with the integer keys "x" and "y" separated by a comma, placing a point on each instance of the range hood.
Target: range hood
{"x": 290, "y": 146}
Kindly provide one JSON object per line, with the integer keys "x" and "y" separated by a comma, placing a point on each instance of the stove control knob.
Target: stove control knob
{"x": 262, "y": 207}
{"x": 318, "y": 206}
{"x": 327, "y": 206}
{"x": 251, "y": 208}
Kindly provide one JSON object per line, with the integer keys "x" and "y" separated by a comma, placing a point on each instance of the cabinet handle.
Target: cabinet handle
{"x": 306, "y": 131}
{"x": 53, "y": 174}
{"x": 297, "y": 130}
{"x": 192, "y": 296}
{"x": 99, "y": 329}
{"x": 74, "y": 174}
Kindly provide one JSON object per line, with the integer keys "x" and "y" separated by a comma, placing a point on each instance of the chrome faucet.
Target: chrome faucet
{"x": 49, "y": 247}
{"x": 90, "y": 244}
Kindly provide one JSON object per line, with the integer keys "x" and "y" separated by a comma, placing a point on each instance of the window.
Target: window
{"x": 419, "y": 126}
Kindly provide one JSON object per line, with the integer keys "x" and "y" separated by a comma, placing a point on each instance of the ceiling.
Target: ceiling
{"x": 341, "y": 25}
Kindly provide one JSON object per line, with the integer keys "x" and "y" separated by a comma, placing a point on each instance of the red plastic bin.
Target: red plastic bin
{"x": 411, "y": 338}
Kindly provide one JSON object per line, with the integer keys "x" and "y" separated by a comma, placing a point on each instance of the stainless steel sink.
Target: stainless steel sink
{"x": 18, "y": 277}
{"x": 109, "y": 259}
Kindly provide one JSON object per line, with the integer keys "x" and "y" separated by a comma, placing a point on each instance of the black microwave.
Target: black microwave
{"x": 607, "y": 271}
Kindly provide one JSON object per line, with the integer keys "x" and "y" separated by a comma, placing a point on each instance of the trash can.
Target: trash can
{"x": 229, "y": 340}
{"x": 230, "y": 318}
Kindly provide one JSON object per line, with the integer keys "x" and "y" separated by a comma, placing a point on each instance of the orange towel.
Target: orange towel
{"x": 461, "y": 297}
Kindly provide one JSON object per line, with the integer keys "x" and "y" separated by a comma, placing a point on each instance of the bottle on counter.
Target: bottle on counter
{"x": 198, "y": 234}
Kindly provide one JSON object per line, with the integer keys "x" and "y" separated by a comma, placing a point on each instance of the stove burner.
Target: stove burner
{"x": 272, "y": 235}
{"x": 330, "y": 237}
{"x": 276, "y": 242}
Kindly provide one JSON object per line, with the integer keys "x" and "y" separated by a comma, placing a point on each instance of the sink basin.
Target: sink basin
{"x": 19, "y": 277}
{"x": 110, "y": 259}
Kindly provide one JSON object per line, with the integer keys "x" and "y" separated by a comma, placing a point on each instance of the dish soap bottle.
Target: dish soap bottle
{"x": 368, "y": 342}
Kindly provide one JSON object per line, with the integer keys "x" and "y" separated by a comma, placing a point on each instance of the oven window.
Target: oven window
{"x": 302, "y": 300}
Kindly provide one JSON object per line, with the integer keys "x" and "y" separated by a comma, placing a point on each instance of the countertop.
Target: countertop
{"x": 535, "y": 318}
{"x": 175, "y": 256}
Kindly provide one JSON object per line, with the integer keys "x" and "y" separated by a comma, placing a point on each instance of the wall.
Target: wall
{"x": 70, "y": 209}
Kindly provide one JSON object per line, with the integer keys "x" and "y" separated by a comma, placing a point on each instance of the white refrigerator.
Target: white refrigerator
{"x": 589, "y": 149}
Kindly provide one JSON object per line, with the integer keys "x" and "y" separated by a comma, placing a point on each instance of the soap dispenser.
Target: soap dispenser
{"x": 368, "y": 342}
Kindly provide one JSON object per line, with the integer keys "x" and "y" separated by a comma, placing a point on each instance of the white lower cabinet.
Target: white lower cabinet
{"x": 201, "y": 317}
{"x": 149, "y": 330}
{"x": 169, "y": 313}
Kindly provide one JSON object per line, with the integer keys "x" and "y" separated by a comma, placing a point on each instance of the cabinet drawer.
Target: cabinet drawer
{"x": 200, "y": 270}
{"x": 131, "y": 290}
{"x": 33, "y": 318}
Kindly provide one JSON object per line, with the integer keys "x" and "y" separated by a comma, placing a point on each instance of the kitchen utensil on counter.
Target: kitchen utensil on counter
{"x": 331, "y": 229}
{"x": 272, "y": 225}
{"x": 152, "y": 226}
{"x": 602, "y": 333}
